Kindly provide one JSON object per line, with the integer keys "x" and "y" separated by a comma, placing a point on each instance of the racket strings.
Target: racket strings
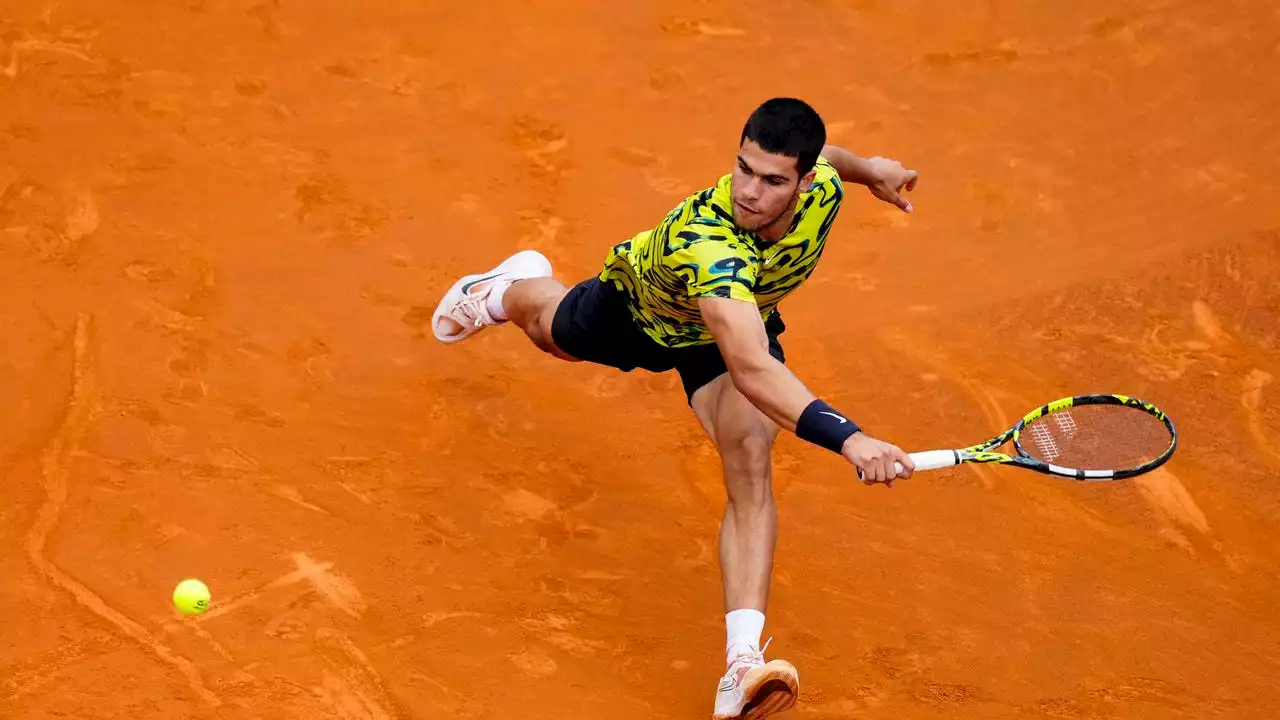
{"x": 1096, "y": 437}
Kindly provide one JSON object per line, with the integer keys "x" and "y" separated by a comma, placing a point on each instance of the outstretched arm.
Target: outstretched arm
{"x": 885, "y": 178}
{"x": 778, "y": 393}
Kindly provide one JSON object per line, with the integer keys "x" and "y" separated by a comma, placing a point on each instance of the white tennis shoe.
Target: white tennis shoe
{"x": 752, "y": 688}
{"x": 463, "y": 312}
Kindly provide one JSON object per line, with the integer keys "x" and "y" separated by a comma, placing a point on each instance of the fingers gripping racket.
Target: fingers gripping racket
{"x": 1086, "y": 437}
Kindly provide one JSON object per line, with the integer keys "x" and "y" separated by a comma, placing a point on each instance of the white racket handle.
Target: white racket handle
{"x": 930, "y": 460}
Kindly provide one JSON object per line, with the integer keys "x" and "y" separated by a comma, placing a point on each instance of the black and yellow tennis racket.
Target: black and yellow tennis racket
{"x": 1086, "y": 437}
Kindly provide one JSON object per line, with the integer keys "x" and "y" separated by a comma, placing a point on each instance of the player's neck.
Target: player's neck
{"x": 774, "y": 231}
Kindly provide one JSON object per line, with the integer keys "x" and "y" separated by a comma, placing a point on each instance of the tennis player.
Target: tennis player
{"x": 699, "y": 294}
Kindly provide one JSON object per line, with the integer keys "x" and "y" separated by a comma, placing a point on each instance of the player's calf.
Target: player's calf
{"x": 531, "y": 305}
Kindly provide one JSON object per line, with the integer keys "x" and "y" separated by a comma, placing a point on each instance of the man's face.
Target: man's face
{"x": 765, "y": 186}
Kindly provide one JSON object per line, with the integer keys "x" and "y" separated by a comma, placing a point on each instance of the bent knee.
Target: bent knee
{"x": 541, "y": 332}
{"x": 754, "y": 448}
{"x": 748, "y": 466}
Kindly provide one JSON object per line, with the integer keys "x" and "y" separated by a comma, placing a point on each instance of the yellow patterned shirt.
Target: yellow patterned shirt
{"x": 698, "y": 251}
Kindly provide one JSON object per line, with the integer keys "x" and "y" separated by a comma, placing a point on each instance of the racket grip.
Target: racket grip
{"x": 930, "y": 460}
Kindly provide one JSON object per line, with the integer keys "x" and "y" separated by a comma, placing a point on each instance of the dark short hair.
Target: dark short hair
{"x": 787, "y": 126}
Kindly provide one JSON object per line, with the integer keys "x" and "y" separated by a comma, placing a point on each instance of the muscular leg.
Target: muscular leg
{"x": 531, "y": 304}
{"x": 750, "y": 687}
{"x": 748, "y": 532}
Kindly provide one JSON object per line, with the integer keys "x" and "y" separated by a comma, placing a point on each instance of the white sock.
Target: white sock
{"x": 494, "y": 302}
{"x": 744, "y": 629}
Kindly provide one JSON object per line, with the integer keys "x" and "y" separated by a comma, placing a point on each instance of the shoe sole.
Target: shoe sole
{"x": 773, "y": 689}
{"x": 774, "y": 696}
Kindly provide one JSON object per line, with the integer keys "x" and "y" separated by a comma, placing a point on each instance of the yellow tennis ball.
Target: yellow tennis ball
{"x": 191, "y": 596}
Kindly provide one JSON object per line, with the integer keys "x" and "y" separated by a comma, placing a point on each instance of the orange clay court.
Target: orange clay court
{"x": 224, "y": 227}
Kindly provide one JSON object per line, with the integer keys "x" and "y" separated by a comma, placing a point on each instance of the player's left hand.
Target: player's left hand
{"x": 890, "y": 178}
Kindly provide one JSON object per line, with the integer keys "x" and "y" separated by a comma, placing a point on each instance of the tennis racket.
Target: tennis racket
{"x": 1085, "y": 437}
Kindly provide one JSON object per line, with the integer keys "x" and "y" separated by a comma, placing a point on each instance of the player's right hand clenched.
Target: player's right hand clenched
{"x": 875, "y": 459}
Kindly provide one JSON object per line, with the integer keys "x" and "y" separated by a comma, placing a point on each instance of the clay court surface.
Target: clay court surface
{"x": 223, "y": 228}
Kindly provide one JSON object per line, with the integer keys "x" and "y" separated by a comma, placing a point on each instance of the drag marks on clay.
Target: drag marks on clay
{"x": 183, "y": 320}
{"x": 81, "y": 406}
{"x": 527, "y": 505}
{"x": 50, "y": 224}
{"x": 382, "y": 299}
{"x": 534, "y": 664}
{"x": 340, "y": 592}
{"x": 21, "y": 131}
{"x": 1254, "y": 380}
{"x": 133, "y": 163}
{"x": 567, "y": 611}
{"x": 329, "y": 208}
{"x": 703, "y": 470}
{"x": 544, "y": 143}
{"x": 1162, "y": 359}
{"x": 268, "y": 16}
{"x": 294, "y": 495}
{"x": 549, "y": 523}
{"x": 1218, "y": 349}
{"x": 446, "y": 699}
{"x": 289, "y": 620}
{"x": 1144, "y": 34}
{"x": 250, "y": 87}
{"x": 540, "y": 229}
{"x": 894, "y": 677}
{"x": 689, "y": 27}
{"x": 618, "y": 705}
{"x": 80, "y": 222}
{"x": 68, "y": 41}
{"x": 1251, "y": 399}
{"x": 312, "y": 357}
{"x": 702, "y": 560}
{"x": 218, "y": 648}
{"x": 30, "y": 674}
{"x": 148, "y": 272}
{"x": 250, "y": 413}
{"x": 432, "y": 619}
{"x": 373, "y": 481}
{"x": 1122, "y": 699}
{"x": 476, "y": 210}
{"x": 1175, "y": 507}
{"x": 409, "y": 68}
{"x": 351, "y": 686}
{"x": 557, "y": 631}
{"x": 1125, "y": 698}
{"x": 1001, "y": 55}
{"x": 993, "y": 204}
{"x": 668, "y": 79}
{"x": 654, "y": 169}
{"x": 810, "y": 646}
{"x": 418, "y": 318}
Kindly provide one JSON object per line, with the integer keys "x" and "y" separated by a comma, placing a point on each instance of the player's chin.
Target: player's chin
{"x": 749, "y": 222}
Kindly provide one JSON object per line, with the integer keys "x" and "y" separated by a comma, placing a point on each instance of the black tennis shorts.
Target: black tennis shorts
{"x": 593, "y": 324}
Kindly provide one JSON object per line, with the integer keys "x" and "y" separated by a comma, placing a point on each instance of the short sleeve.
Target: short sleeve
{"x": 714, "y": 262}
{"x": 826, "y": 173}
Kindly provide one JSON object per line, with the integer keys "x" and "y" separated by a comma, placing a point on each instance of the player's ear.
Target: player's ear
{"x": 806, "y": 182}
